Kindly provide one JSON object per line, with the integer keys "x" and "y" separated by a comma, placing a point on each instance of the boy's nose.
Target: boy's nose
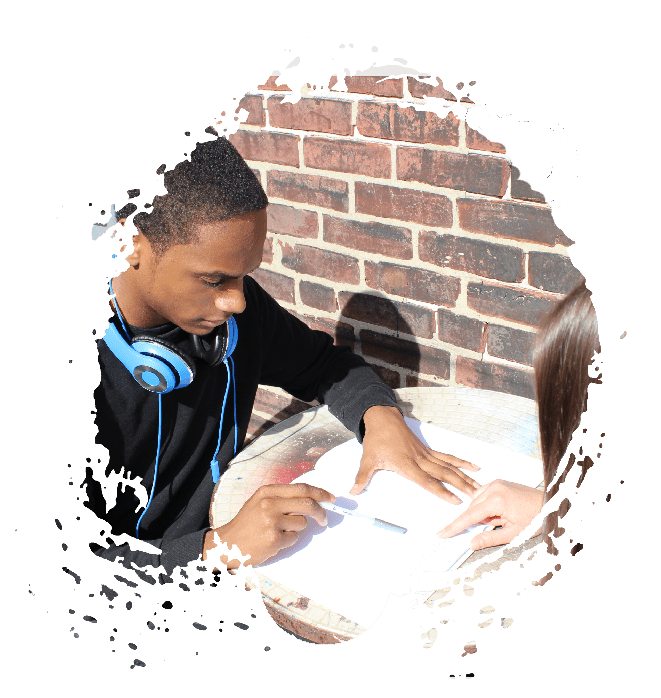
{"x": 232, "y": 299}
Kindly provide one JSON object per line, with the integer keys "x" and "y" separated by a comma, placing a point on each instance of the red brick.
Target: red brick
{"x": 317, "y": 296}
{"x": 391, "y": 378}
{"x": 407, "y": 354}
{"x": 278, "y": 406}
{"x": 509, "y": 343}
{"x": 287, "y": 220}
{"x": 416, "y": 382}
{"x": 487, "y": 376}
{"x": 372, "y": 85}
{"x": 417, "y": 284}
{"x": 520, "y": 189}
{"x": 422, "y": 89}
{"x": 514, "y": 304}
{"x": 552, "y": 272}
{"x": 379, "y": 120}
{"x": 309, "y": 189}
{"x": 387, "y": 240}
{"x": 277, "y": 285}
{"x": 342, "y": 333}
{"x": 510, "y": 220}
{"x": 315, "y": 262}
{"x": 264, "y": 146}
{"x": 486, "y": 259}
{"x": 479, "y": 174}
{"x": 476, "y": 141}
{"x": 404, "y": 204}
{"x": 255, "y": 108}
{"x": 267, "y": 256}
{"x": 272, "y": 84}
{"x": 466, "y": 332}
{"x": 376, "y": 310}
{"x": 325, "y": 115}
{"x": 370, "y": 159}
{"x": 390, "y": 350}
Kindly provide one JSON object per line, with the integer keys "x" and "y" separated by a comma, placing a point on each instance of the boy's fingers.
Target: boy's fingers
{"x": 301, "y": 506}
{"x": 449, "y": 459}
{"x": 431, "y": 484}
{"x": 297, "y": 490}
{"x": 456, "y": 478}
{"x": 362, "y": 479}
{"x": 287, "y": 539}
{"x": 293, "y": 523}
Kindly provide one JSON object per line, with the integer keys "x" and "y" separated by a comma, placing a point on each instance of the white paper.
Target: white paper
{"x": 350, "y": 566}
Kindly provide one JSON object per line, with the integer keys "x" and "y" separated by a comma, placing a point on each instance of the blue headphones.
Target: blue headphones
{"x": 160, "y": 367}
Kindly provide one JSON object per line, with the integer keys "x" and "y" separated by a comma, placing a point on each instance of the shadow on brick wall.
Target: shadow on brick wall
{"x": 387, "y": 341}
{"x": 388, "y": 336}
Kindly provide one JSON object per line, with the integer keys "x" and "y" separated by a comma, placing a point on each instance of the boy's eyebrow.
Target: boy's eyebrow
{"x": 225, "y": 275}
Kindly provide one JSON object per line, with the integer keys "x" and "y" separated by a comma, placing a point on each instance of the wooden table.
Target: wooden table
{"x": 293, "y": 446}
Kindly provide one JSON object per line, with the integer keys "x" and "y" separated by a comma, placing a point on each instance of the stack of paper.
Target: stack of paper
{"x": 351, "y": 566}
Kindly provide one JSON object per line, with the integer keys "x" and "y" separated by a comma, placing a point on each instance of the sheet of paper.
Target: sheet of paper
{"x": 351, "y": 566}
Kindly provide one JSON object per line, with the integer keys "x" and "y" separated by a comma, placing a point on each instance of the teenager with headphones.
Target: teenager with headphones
{"x": 191, "y": 337}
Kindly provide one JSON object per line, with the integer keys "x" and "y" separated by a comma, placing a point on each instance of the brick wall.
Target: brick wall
{"x": 410, "y": 237}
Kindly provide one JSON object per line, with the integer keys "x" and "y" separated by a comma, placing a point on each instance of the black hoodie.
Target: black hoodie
{"x": 274, "y": 348}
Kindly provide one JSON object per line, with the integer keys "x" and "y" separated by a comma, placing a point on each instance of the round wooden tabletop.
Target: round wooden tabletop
{"x": 293, "y": 446}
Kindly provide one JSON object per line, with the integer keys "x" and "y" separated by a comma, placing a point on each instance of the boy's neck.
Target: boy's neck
{"x": 134, "y": 309}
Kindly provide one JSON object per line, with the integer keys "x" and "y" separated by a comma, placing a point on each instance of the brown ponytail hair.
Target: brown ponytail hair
{"x": 564, "y": 348}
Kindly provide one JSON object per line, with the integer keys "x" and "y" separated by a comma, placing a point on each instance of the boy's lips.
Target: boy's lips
{"x": 212, "y": 323}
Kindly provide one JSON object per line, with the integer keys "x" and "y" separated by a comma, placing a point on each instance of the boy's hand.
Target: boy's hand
{"x": 389, "y": 444}
{"x": 500, "y": 503}
{"x": 269, "y": 521}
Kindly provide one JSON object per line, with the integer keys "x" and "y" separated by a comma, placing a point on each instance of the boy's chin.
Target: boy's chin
{"x": 199, "y": 328}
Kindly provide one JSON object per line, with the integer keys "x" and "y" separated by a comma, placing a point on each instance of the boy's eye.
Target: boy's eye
{"x": 213, "y": 284}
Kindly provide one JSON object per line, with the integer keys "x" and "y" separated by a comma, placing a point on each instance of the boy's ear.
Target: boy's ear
{"x": 139, "y": 248}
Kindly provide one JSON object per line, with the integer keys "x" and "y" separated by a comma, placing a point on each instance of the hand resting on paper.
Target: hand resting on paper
{"x": 269, "y": 521}
{"x": 500, "y": 503}
{"x": 389, "y": 444}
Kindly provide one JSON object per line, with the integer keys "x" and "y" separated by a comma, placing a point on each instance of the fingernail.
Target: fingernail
{"x": 354, "y": 490}
{"x": 456, "y": 499}
{"x": 441, "y": 534}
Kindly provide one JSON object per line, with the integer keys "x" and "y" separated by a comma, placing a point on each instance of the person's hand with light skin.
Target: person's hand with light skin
{"x": 270, "y": 521}
{"x": 500, "y": 503}
{"x": 389, "y": 444}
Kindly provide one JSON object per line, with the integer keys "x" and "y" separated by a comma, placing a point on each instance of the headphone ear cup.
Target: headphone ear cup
{"x": 150, "y": 371}
{"x": 221, "y": 345}
{"x": 181, "y": 365}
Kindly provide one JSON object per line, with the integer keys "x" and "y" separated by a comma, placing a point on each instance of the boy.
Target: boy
{"x": 188, "y": 290}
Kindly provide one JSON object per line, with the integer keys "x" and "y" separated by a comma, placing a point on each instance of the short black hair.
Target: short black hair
{"x": 214, "y": 185}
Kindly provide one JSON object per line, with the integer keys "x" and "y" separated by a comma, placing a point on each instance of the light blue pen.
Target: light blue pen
{"x": 375, "y": 522}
